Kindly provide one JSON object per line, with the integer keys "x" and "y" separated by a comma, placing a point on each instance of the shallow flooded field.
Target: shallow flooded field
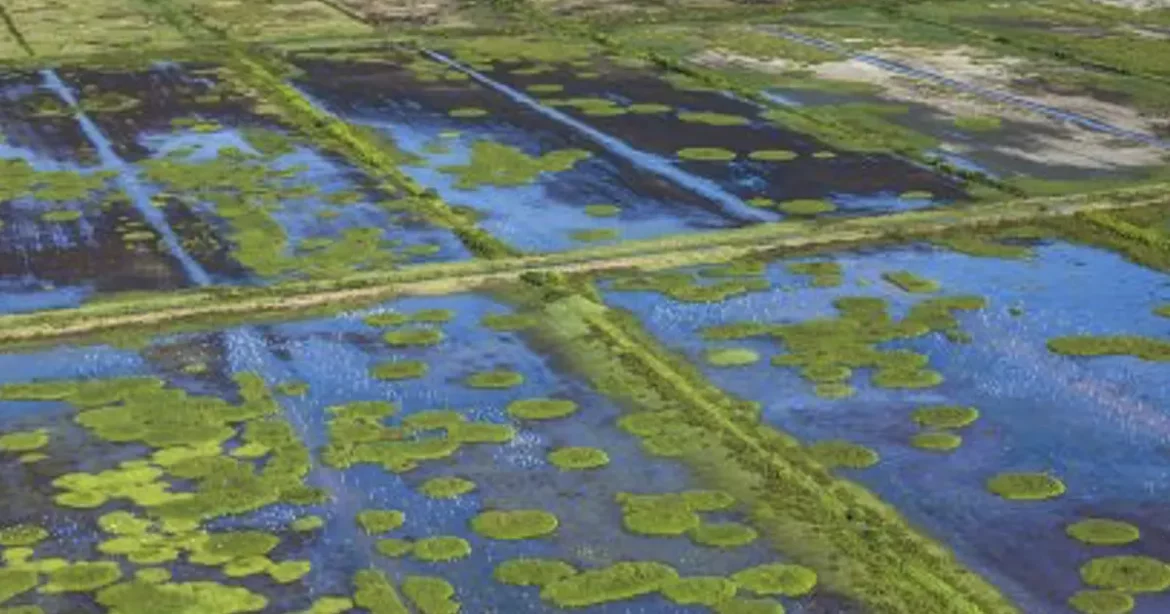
{"x": 423, "y": 439}
{"x": 1091, "y": 425}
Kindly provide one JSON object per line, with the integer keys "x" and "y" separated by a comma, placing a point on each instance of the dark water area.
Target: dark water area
{"x": 1100, "y": 425}
{"x": 388, "y": 96}
{"x": 664, "y": 134}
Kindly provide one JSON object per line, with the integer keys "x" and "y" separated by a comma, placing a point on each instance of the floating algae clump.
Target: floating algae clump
{"x": 430, "y": 595}
{"x": 777, "y": 579}
{"x": 825, "y": 274}
{"x": 394, "y": 548}
{"x": 432, "y": 316}
{"x": 413, "y": 336}
{"x": 82, "y": 577}
{"x": 446, "y": 487}
{"x": 374, "y": 592}
{"x": 541, "y": 409}
{"x": 14, "y": 582}
{"x": 1118, "y": 345}
{"x": 699, "y": 590}
{"x": 706, "y": 154}
{"x": 1102, "y": 602}
{"x": 713, "y": 119}
{"x": 432, "y": 419}
{"x": 1026, "y": 486}
{"x": 141, "y": 485}
{"x": 945, "y": 416}
{"x": 936, "y": 441}
{"x": 497, "y": 164}
{"x": 773, "y": 155}
{"x": 670, "y": 513}
{"x": 576, "y": 458}
{"x": 686, "y": 288}
{"x": 806, "y": 206}
{"x": 617, "y": 582}
{"x": 834, "y": 453}
{"x": 514, "y": 524}
{"x": 602, "y": 210}
{"x": 594, "y": 234}
{"x": 292, "y": 389}
{"x": 1131, "y": 574}
{"x": 509, "y": 321}
{"x": 910, "y": 282}
{"x": 307, "y": 523}
{"x": 24, "y": 441}
{"x": 386, "y": 318}
{"x": 22, "y": 535}
{"x": 723, "y": 534}
{"x": 329, "y": 605}
{"x": 532, "y": 571}
{"x": 494, "y": 379}
{"x": 139, "y": 597}
{"x": 399, "y": 370}
{"x": 441, "y": 549}
{"x": 467, "y": 112}
{"x": 731, "y": 357}
{"x": 1102, "y": 532}
{"x": 375, "y": 522}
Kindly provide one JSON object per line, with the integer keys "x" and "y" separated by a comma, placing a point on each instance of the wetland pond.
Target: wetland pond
{"x": 261, "y": 468}
{"x": 1099, "y": 426}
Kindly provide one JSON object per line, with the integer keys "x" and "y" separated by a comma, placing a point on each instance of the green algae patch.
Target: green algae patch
{"x": 686, "y": 287}
{"x": 909, "y": 282}
{"x": 494, "y": 379}
{"x": 649, "y": 108}
{"x": 430, "y": 595}
{"x": 936, "y": 441}
{"x": 773, "y": 155}
{"x": 783, "y": 579}
{"x": 1118, "y": 345}
{"x": 446, "y": 487}
{"x": 620, "y": 581}
{"x": 292, "y": 389}
{"x": 514, "y": 524}
{"x": 723, "y": 534}
{"x": 806, "y": 206}
{"x": 22, "y": 535}
{"x": 1131, "y": 574}
{"x": 706, "y": 154}
{"x": 153, "y": 575}
{"x": 978, "y": 123}
{"x": 330, "y": 605}
{"x": 545, "y": 88}
{"x": 1103, "y": 532}
{"x": 307, "y": 524}
{"x": 386, "y": 318}
{"x": 592, "y": 235}
{"x": 731, "y": 357}
{"x": 399, "y": 370}
{"x": 24, "y": 441}
{"x": 541, "y": 409}
{"x": 374, "y": 592}
{"x": 500, "y": 165}
{"x": 835, "y": 453}
{"x": 749, "y": 606}
{"x": 15, "y": 582}
{"x": 61, "y": 215}
{"x": 532, "y": 572}
{"x": 1163, "y": 311}
{"x": 669, "y": 514}
{"x": 433, "y": 419}
{"x": 1026, "y": 486}
{"x": 713, "y": 119}
{"x": 507, "y": 322}
{"x": 578, "y": 458}
{"x": 432, "y": 316}
{"x": 394, "y": 547}
{"x": 945, "y": 416}
{"x": 1102, "y": 602}
{"x": 602, "y": 210}
{"x": 376, "y": 522}
{"x": 467, "y": 112}
{"x": 825, "y": 274}
{"x": 441, "y": 549}
{"x": 137, "y": 597}
{"x": 413, "y": 337}
{"x": 699, "y": 590}
{"x": 82, "y": 577}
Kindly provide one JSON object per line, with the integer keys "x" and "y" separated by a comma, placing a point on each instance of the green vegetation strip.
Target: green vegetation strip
{"x": 158, "y": 311}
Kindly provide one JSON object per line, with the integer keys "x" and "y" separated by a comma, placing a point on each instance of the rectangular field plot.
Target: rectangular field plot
{"x": 719, "y": 144}
{"x": 417, "y": 453}
{"x": 67, "y": 225}
{"x": 247, "y": 197}
{"x": 281, "y": 20}
{"x": 865, "y": 81}
{"x": 62, "y": 28}
{"x": 535, "y": 183}
{"x": 994, "y": 402}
